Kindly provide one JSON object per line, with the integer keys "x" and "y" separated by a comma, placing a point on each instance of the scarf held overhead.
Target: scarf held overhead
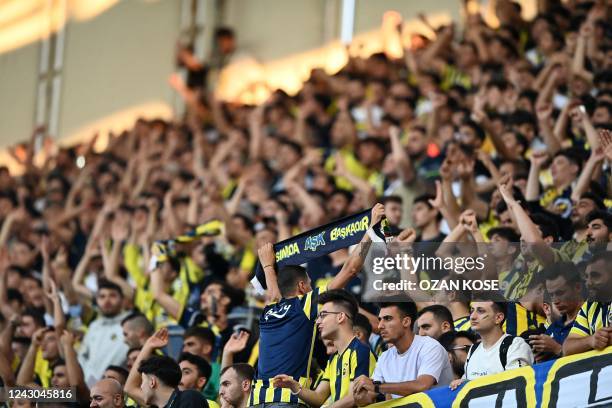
{"x": 318, "y": 242}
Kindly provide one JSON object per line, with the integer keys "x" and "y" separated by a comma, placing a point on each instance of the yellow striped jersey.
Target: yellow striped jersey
{"x": 463, "y": 324}
{"x": 515, "y": 282}
{"x": 286, "y": 340}
{"x": 254, "y": 355}
{"x": 379, "y": 347}
{"x": 343, "y": 368}
{"x": 519, "y": 319}
{"x": 575, "y": 251}
{"x": 591, "y": 317}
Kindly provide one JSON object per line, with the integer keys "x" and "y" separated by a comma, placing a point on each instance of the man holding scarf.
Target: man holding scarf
{"x": 287, "y": 323}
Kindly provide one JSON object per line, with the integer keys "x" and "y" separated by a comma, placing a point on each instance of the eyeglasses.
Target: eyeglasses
{"x": 323, "y": 314}
{"x": 465, "y": 348}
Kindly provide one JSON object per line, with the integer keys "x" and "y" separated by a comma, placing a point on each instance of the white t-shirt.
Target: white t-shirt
{"x": 486, "y": 361}
{"x": 425, "y": 356}
{"x": 103, "y": 345}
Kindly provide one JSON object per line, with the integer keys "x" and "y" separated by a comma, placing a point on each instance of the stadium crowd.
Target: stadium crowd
{"x": 125, "y": 273}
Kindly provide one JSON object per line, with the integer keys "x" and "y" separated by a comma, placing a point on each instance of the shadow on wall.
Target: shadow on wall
{"x": 25, "y": 21}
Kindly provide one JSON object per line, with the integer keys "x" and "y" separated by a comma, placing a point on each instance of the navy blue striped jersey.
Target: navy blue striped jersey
{"x": 287, "y": 334}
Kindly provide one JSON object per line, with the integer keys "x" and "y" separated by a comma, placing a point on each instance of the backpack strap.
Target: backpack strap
{"x": 470, "y": 352}
{"x": 503, "y": 350}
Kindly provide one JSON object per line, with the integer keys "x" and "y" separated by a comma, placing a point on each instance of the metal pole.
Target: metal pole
{"x": 347, "y": 22}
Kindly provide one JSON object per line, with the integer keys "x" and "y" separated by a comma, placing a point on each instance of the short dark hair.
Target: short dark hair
{"x": 162, "y": 367}
{"x": 139, "y": 320}
{"x": 405, "y": 308}
{"x": 13, "y": 294}
{"x": 244, "y": 371}
{"x": 600, "y": 215}
{"x": 347, "y": 194}
{"x": 522, "y": 117}
{"x": 567, "y": 270}
{"x": 572, "y": 155}
{"x": 441, "y": 314}
{"x": 447, "y": 339}
{"x": 343, "y": 299}
{"x": 106, "y": 284}
{"x": 296, "y": 147}
{"x": 36, "y": 315}
{"x": 424, "y": 198}
{"x": 506, "y": 233}
{"x": 478, "y": 130}
{"x": 288, "y": 277}
{"x": 363, "y": 322}
{"x": 391, "y": 199}
{"x": 57, "y": 363}
{"x": 224, "y": 32}
{"x": 547, "y": 225}
{"x": 202, "y": 333}
{"x": 26, "y": 341}
{"x": 605, "y": 256}
{"x": 204, "y": 368}
{"x": 119, "y": 370}
{"x": 500, "y": 305}
{"x": 596, "y": 199}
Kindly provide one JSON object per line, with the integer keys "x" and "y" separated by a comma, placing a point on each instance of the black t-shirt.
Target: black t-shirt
{"x": 186, "y": 399}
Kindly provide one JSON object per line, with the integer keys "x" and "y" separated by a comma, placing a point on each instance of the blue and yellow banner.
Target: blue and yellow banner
{"x": 581, "y": 380}
{"x": 315, "y": 243}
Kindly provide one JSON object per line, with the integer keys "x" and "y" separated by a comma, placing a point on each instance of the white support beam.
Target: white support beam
{"x": 347, "y": 21}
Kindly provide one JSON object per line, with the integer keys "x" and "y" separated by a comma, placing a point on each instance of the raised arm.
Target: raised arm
{"x": 8, "y": 377}
{"x": 440, "y": 205}
{"x": 236, "y": 343}
{"x": 256, "y": 128}
{"x": 538, "y": 159}
{"x": 363, "y": 187}
{"x": 529, "y": 231}
{"x": 7, "y": 311}
{"x": 586, "y": 175}
{"x": 59, "y": 320}
{"x": 63, "y": 275}
{"x": 544, "y": 115}
{"x": 26, "y": 371}
{"x": 405, "y": 169}
{"x": 172, "y": 222}
{"x": 119, "y": 233}
{"x": 76, "y": 377}
{"x": 430, "y": 55}
{"x": 84, "y": 295}
{"x": 468, "y": 190}
{"x": 589, "y": 130}
{"x": 159, "y": 291}
{"x": 46, "y": 274}
{"x": 132, "y": 384}
{"x": 267, "y": 257}
{"x": 354, "y": 263}
{"x": 308, "y": 204}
